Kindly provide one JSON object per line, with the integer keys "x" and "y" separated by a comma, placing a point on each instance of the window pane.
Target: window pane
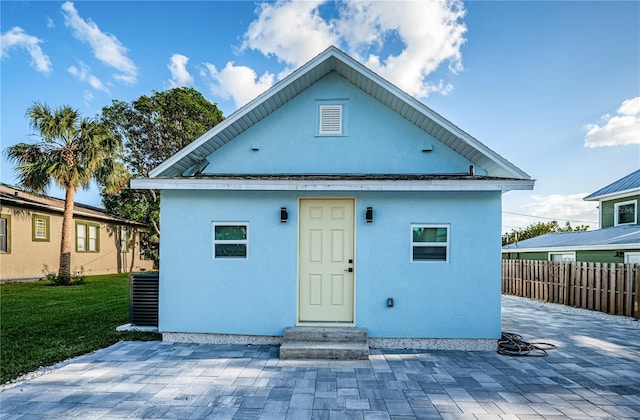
{"x": 627, "y": 213}
{"x": 231, "y": 250}
{"x": 3, "y": 235}
{"x": 80, "y": 237}
{"x": 429, "y": 253}
{"x": 428, "y": 234}
{"x": 93, "y": 238}
{"x": 231, "y": 233}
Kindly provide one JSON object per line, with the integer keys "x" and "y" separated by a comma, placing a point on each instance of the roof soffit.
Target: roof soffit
{"x": 356, "y": 73}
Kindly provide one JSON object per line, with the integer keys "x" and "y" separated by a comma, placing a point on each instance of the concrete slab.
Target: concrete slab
{"x": 592, "y": 373}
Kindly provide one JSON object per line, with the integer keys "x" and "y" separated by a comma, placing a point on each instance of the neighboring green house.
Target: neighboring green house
{"x": 617, "y": 240}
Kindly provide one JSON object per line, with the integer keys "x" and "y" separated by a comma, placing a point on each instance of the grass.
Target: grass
{"x": 41, "y": 325}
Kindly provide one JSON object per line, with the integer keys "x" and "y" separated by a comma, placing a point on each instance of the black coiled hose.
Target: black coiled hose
{"x": 512, "y": 345}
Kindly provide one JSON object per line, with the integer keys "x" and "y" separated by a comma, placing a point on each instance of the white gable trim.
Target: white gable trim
{"x": 329, "y": 185}
{"x": 332, "y": 59}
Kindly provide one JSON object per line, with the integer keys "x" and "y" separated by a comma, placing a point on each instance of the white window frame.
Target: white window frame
{"x": 446, "y": 245}
{"x": 629, "y": 255}
{"x": 215, "y": 241}
{"x": 124, "y": 239}
{"x": 616, "y": 206}
{"x": 570, "y": 254}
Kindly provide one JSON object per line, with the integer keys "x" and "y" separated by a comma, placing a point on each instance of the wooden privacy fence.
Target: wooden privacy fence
{"x": 610, "y": 288}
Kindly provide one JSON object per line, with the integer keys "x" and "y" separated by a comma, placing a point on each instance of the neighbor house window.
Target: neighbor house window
{"x": 625, "y": 212}
{"x": 331, "y": 118}
{"x": 124, "y": 236}
{"x": 562, "y": 256}
{"x": 230, "y": 240}
{"x": 5, "y": 234}
{"x": 429, "y": 242}
{"x": 87, "y": 237}
{"x": 40, "y": 228}
{"x": 632, "y": 258}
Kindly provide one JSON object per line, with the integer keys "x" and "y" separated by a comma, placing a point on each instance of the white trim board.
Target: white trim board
{"x": 330, "y": 185}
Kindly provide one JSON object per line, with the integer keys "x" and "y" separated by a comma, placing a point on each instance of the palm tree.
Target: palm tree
{"x": 72, "y": 152}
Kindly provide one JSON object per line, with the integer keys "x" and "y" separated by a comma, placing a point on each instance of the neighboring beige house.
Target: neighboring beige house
{"x": 31, "y": 230}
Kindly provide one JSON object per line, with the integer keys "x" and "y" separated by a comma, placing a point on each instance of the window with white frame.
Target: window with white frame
{"x": 124, "y": 239}
{"x": 632, "y": 257}
{"x": 230, "y": 240}
{"x": 429, "y": 242}
{"x": 625, "y": 212}
{"x": 562, "y": 256}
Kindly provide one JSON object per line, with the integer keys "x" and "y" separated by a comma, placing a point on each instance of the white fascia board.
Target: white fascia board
{"x": 329, "y": 185}
{"x": 615, "y": 195}
{"x": 612, "y": 247}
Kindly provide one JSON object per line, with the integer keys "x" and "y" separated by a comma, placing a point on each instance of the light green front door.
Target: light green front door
{"x": 325, "y": 259}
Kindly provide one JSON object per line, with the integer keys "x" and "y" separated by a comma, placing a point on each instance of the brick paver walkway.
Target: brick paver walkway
{"x": 593, "y": 373}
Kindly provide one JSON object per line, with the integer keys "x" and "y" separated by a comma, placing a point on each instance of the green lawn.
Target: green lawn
{"x": 41, "y": 325}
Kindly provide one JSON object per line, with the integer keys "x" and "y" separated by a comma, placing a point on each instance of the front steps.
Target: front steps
{"x": 324, "y": 343}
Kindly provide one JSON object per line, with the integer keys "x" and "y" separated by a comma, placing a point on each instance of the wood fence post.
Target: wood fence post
{"x": 636, "y": 303}
{"x": 628, "y": 290}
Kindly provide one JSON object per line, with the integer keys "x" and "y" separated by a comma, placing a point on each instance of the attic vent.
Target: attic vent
{"x": 331, "y": 119}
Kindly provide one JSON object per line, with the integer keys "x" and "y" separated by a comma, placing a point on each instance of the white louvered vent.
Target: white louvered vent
{"x": 330, "y": 119}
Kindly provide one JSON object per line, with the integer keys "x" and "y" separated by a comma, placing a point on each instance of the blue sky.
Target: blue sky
{"x": 554, "y": 87}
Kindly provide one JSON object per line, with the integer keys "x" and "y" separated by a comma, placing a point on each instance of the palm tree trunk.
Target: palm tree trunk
{"x": 67, "y": 234}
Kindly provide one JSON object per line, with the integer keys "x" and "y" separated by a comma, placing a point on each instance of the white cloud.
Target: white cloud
{"x": 106, "y": 47}
{"x": 617, "y": 130}
{"x": 17, "y": 38}
{"x": 50, "y": 23}
{"x": 179, "y": 74}
{"x": 83, "y": 73}
{"x": 431, "y": 34}
{"x": 239, "y": 83}
{"x": 291, "y": 31}
{"x": 544, "y": 208}
{"x": 405, "y": 43}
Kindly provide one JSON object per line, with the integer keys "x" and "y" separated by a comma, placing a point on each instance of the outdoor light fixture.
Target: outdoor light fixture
{"x": 284, "y": 215}
{"x": 369, "y": 214}
{"x": 619, "y": 254}
{"x": 390, "y": 303}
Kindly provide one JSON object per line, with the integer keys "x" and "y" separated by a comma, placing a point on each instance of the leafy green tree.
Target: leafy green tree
{"x": 538, "y": 229}
{"x": 72, "y": 152}
{"x": 152, "y": 129}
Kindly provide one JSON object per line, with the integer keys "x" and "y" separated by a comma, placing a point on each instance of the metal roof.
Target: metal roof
{"x": 333, "y": 59}
{"x": 10, "y": 196}
{"x": 615, "y": 235}
{"x": 627, "y": 184}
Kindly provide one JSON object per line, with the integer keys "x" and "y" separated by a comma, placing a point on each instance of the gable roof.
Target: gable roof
{"x": 333, "y": 59}
{"x": 625, "y": 185}
{"x": 615, "y": 237}
{"x": 15, "y": 197}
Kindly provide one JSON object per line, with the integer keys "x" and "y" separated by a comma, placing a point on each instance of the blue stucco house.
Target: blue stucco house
{"x": 333, "y": 199}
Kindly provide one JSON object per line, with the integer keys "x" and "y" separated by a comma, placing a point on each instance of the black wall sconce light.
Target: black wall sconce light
{"x": 390, "y": 303}
{"x": 619, "y": 254}
{"x": 368, "y": 215}
{"x": 284, "y": 215}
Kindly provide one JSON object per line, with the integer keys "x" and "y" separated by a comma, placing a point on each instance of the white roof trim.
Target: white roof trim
{"x": 610, "y": 247}
{"x": 620, "y": 194}
{"x": 287, "y": 89}
{"x": 329, "y": 185}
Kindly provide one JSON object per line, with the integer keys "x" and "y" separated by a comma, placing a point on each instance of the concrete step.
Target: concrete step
{"x": 324, "y": 350}
{"x": 320, "y": 334}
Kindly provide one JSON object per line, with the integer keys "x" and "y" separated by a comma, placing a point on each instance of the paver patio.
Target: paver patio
{"x": 593, "y": 373}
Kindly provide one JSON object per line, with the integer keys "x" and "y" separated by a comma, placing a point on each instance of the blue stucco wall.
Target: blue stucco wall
{"x": 378, "y": 140}
{"x": 455, "y": 299}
